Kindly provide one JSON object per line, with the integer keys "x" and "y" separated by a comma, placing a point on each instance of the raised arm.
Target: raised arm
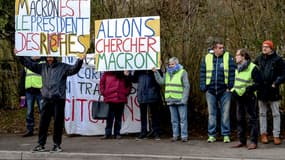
{"x": 33, "y": 66}
{"x": 159, "y": 79}
{"x": 73, "y": 69}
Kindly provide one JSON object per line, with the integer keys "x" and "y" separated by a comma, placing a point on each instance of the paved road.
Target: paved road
{"x": 82, "y": 147}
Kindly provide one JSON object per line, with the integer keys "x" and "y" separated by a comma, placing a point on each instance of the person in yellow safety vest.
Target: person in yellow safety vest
{"x": 217, "y": 74}
{"x": 177, "y": 88}
{"x": 30, "y": 86}
{"x": 247, "y": 80}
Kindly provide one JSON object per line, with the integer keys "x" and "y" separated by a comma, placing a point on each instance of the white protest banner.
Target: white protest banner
{"x": 52, "y": 28}
{"x": 82, "y": 90}
{"x": 127, "y": 43}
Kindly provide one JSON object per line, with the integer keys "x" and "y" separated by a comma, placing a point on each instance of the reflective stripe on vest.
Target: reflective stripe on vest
{"x": 210, "y": 65}
{"x": 32, "y": 79}
{"x": 243, "y": 79}
{"x": 174, "y": 86}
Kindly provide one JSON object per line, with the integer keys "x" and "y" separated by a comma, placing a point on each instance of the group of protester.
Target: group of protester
{"x": 221, "y": 78}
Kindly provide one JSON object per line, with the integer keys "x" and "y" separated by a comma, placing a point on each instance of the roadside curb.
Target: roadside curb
{"x": 25, "y": 155}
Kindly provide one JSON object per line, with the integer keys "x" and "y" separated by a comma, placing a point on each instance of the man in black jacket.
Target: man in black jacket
{"x": 272, "y": 69}
{"x": 54, "y": 75}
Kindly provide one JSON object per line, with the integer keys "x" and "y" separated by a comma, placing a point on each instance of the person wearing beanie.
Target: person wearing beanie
{"x": 272, "y": 68}
{"x": 268, "y": 43}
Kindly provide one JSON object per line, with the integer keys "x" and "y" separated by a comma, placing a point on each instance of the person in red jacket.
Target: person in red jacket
{"x": 115, "y": 88}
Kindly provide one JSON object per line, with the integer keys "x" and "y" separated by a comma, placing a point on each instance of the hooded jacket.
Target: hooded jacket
{"x": 53, "y": 76}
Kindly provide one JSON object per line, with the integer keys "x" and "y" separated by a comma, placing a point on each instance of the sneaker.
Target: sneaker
{"x": 106, "y": 137}
{"x": 185, "y": 139}
{"x": 151, "y": 134}
{"x": 211, "y": 139}
{"x": 39, "y": 148}
{"x": 28, "y": 134}
{"x": 56, "y": 148}
{"x": 157, "y": 137}
{"x": 142, "y": 136}
{"x": 227, "y": 139}
{"x": 174, "y": 139}
{"x": 118, "y": 137}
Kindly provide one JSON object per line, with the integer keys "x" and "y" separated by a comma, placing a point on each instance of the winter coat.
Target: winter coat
{"x": 148, "y": 90}
{"x": 272, "y": 69}
{"x": 115, "y": 87}
{"x": 53, "y": 76}
{"x": 217, "y": 85}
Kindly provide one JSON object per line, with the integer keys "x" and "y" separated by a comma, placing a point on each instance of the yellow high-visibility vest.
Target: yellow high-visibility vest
{"x": 243, "y": 80}
{"x": 174, "y": 86}
{"x": 32, "y": 80}
{"x": 209, "y": 67}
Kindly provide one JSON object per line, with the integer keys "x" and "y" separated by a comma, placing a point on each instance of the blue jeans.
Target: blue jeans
{"x": 179, "y": 112}
{"x": 31, "y": 98}
{"x": 223, "y": 101}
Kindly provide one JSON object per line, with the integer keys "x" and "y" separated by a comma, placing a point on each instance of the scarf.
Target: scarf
{"x": 243, "y": 66}
{"x": 174, "y": 69}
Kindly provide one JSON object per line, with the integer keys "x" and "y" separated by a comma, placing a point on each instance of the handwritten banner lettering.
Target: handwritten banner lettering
{"x": 82, "y": 90}
{"x": 127, "y": 43}
{"x": 52, "y": 27}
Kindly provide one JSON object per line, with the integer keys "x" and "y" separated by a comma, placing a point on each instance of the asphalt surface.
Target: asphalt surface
{"x": 84, "y": 147}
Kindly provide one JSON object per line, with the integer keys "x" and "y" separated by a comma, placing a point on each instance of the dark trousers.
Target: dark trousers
{"x": 247, "y": 105}
{"x": 116, "y": 111}
{"x": 51, "y": 108}
{"x": 154, "y": 111}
